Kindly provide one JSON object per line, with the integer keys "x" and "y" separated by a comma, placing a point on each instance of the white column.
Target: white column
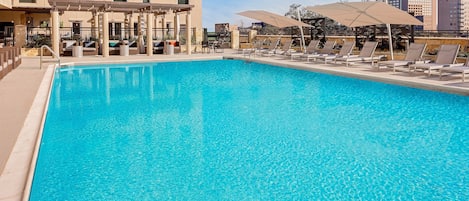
{"x": 188, "y": 33}
{"x": 177, "y": 26}
{"x": 105, "y": 48}
{"x": 55, "y": 31}
{"x": 149, "y": 34}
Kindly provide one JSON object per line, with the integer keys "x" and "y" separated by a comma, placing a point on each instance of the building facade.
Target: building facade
{"x": 464, "y": 22}
{"x": 35, "y": 14}
{"x": 449, "y": 12}
{"x": 426, "y": 10}
{"x": 453, "y": 15}
{"x": 401, "y": 4}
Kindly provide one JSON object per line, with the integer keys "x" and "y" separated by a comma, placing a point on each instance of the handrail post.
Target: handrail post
{"x": 52, "y": 51}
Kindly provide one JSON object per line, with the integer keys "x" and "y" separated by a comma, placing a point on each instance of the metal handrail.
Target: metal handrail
{"x": 52, "y": 51}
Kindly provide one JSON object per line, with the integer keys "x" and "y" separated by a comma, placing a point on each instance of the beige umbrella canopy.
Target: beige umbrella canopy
{"x": 355, "y": 14}
{"x": 273, "y": 19}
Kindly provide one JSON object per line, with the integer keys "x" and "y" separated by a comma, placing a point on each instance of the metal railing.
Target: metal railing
{"x": 57, "y": 57}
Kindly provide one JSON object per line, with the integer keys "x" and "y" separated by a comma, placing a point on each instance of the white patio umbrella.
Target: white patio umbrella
{"x": 276, "y": 20}
{"x": 355, "y": 14}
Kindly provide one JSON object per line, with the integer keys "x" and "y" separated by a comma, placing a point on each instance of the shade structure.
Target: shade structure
{"x": 355, "y": 14}
{"x": 273, "y": 19}
{"x": 276, "y": 20}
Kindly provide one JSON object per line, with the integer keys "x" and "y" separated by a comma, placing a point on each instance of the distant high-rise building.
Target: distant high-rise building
{"x": 425, "y": 10}
{"x": 401, "y": 4}
{"x": 464, "y": 21}
{"x": 451, "y": 15}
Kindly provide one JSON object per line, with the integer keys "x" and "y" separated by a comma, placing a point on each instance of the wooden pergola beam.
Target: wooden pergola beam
{"x": 111, "y": 6}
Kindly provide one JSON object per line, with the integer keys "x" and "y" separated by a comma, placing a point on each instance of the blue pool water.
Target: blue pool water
{"x": 230, "y": 130}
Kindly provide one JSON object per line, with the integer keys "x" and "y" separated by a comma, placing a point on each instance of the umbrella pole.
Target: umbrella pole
{"x": 388, "y": 26}
{"x": 301, "y": 31}
{"x": 302, "y": 39}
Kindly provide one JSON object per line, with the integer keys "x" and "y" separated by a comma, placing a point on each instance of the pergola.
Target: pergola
{"x": 104, "y": 7}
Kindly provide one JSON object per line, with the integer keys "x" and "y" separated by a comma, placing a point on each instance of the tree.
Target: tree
{"x": 304, "y": 13}
{"x": 328, "y": 26}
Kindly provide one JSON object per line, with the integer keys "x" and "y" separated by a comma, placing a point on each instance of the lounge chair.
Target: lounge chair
{"x": 312, "y": 48}
{"x": 344, "y": 51}
{"x": 462, "y": 69}
{"x": 272, "y": 47}
{"x": 257, "y": 46}
{"x": 414, "y": 54}
{"x": 90, "y": 48}
{"x": 283, "y": 50}
{"x": 67, "y": 46}
{"x": 286, "y": 48}
{"x": 328, "y": 49}
{"x": 445, "y": 57}
{"x": 366, "y": 55}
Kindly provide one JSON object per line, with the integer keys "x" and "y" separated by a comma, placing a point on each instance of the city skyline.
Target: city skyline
{"x": 214, "y": 12}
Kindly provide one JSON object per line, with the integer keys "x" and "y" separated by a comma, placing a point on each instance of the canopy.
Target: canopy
{"x": 276, "y": 20}
{"x": 273, "y": 19}
{"x": 355, "y": 14}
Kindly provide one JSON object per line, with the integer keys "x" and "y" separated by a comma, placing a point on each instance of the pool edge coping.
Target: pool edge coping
{"x": 15, "y": 176}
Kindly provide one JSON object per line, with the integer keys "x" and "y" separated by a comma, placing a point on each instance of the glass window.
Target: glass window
{"x": 111, "y": 30}
{"x": 121, "y": 0}
{"x": 118, "y": 29}
{"x": 27, "y": 1}
{"x": 76, "y": 28}
{"x": 135, "y": 28}
{"x": 183, "y": 1}
{"x": 146, "y": 1}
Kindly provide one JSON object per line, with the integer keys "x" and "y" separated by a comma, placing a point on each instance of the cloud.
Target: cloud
{"x": 216, "y": 11}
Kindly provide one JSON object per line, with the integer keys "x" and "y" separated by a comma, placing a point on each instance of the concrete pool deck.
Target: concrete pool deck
{"x": 23, "y": 94}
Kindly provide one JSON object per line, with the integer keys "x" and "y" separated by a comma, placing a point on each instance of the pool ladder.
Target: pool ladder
{"x": 41, "y": 60}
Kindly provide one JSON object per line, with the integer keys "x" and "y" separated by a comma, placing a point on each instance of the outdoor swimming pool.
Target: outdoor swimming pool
{"x": 231, "y": 130}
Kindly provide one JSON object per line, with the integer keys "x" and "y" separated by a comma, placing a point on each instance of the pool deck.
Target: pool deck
{"x": 24, "y": 92}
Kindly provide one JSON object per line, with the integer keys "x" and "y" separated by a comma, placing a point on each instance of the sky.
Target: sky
{"x": 224, "y": 11}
